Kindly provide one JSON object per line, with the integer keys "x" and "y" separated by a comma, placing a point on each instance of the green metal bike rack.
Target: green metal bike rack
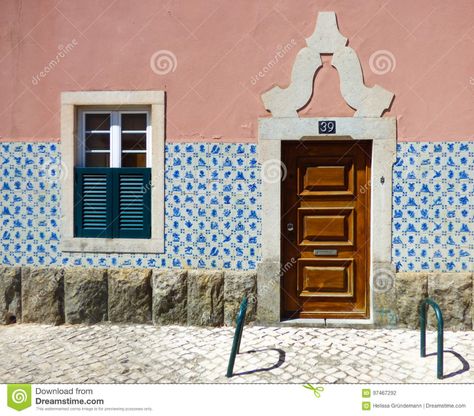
{"x": 237, "y": 336}
{"x": 439, "y": 318}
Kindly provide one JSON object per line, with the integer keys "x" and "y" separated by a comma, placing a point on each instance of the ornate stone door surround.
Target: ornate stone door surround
{"x": 285, "y": 124}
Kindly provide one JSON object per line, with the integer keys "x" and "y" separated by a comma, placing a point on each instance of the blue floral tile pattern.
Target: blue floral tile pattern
{"x": 433, "y": 207}
{"x": 213, "y": 208}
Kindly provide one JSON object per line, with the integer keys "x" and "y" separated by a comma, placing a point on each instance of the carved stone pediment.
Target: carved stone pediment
{"x": 326, "y": 39}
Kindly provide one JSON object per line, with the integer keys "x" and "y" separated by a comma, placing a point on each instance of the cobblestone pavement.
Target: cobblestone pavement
{"x": 147, "y": 354}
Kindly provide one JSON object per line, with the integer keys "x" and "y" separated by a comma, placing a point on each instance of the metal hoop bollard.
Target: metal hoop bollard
{"x": 237, "y": 336}
{"x": 439, "y": 318}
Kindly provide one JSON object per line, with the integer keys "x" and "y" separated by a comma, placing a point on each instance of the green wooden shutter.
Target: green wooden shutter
{"x": 132, "y": 202}
{"x": 93, "y": 202}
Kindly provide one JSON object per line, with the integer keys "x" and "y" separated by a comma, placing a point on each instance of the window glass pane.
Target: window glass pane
{"x": 136, "y": 121}
{"x": 133, "y": 141}
{"x": 97, "y": 160}
{"x": 98, "y": 141}
{"x": 97, "y": 122}
{"x": 134, "y": 160}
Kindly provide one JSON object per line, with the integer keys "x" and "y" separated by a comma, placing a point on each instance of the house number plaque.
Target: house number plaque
{"x": 327, "y": 127}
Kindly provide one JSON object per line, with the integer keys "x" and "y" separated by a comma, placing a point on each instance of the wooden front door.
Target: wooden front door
{"x": 325, "y": 229}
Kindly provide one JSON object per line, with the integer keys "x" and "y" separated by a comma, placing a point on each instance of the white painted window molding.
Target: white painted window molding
{"x": 326, "y": 39}
{"x": 71, "y": 103}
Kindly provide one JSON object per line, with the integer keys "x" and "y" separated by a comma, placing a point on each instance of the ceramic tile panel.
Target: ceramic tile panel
{"x": 213, "y": 208}
{"x": 433, "y": 206}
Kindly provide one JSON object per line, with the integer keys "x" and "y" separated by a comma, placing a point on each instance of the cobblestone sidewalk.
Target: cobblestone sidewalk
{"x": 171, "y": 354}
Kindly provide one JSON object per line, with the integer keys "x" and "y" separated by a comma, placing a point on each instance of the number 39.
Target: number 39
{"x": 327, "y": 127}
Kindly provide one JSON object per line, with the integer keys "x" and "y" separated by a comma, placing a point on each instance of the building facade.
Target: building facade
{"x": 319, "y": 161}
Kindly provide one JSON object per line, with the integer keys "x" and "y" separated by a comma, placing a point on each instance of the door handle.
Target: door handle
{"x": 290, "y": 226}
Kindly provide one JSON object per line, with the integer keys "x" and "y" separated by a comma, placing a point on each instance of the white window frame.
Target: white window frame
{"x": 115, "y": 145}
{"x": 72, "y": 104}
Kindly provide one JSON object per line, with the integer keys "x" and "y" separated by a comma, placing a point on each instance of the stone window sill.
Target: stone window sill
{"x": 112, "y": 245}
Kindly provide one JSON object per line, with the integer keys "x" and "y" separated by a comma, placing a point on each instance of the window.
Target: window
{"x": 114, "y": 139}
{"x": 114, "y": 201}
{"x": 112, "y": 185}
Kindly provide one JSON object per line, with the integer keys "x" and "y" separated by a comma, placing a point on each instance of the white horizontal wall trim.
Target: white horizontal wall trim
{"x": 358, "y": 128}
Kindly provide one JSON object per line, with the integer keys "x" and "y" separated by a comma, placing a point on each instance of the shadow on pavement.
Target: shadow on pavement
{"x": 279, "y": 363}
{"x": 465, "y": 364}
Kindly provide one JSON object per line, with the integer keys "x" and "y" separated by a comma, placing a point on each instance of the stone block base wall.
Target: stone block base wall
{"x": 77, "y": 295}
{"x": 397, "y": 303}
{"x": 73, "y": 295}
{"x": 10, "y": 294}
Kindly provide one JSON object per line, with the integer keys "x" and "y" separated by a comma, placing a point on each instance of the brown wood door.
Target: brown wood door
{"x": 326, "y": 229}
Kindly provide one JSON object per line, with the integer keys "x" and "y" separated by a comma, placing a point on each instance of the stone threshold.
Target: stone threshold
{"x": 328, "y": 323}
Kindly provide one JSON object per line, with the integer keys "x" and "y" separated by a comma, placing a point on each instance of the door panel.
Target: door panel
{"x": 325, "y": 278}
{"x": 326, "y": 229}
{"x": 326, "y": 226}
{"x": 323, "y": 176}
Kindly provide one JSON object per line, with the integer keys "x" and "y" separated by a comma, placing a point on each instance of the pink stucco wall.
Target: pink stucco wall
{"x": 220, "y": 47}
